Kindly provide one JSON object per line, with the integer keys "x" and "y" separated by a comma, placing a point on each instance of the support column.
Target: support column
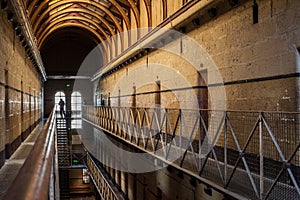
{"x": 22, "y": 113}
{"x": 6, "y": 117}
{"x": 119, "y": 98}
{"x": 157, "y": 98}
{"x": 132, "y": 187}
{"x": 108, "y": 100}
{"x": 133, "y": 96}
{"x": 124, "y": 182}
{"x": 202, "y": 95}
{"x": 2, "y": 120}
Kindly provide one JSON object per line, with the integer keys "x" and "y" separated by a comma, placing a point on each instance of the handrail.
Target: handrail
{"x": 33, "y": 179}
{"x": 199, "y": 109}
{"x": 101, "y": 181}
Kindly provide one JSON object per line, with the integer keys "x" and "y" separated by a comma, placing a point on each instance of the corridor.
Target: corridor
{"x": 149, "y": 99}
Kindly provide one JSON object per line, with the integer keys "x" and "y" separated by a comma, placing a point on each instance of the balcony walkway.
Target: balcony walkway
{"x": 11, "y": 168}
{"x": 249, "y": 155}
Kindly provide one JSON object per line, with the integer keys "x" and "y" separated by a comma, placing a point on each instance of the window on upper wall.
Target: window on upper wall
{"x": 76, "y": 104}
{"x": 59, "y": 95}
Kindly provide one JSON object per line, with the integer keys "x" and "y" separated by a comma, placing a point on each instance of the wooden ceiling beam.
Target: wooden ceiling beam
{"x": 37, "y": 16}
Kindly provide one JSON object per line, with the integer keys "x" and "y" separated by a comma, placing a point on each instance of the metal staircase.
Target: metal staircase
{"x": 62, "y": 143}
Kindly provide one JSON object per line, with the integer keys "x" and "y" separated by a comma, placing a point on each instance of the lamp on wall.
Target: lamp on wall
{"x": 233, "y": 2}
{"x": 18, "y": 32}
{"x": 162, "y": 42}
{"x": 4, "y": 5}
{"x": 255, "y": 12}
{"x": 170, "y": 168}
{"x": 193, "y": 182}
{"x": 153, "y": 46}
{"x": 24, "y": 44}
{"x": 28, "y": 52}
{"x": 180, "y": 175}
{"x": 29, "y": 55}
{"x": 147, "y": 50}
{"x": 208, "y": 190}
{"x": 15, "y": 25}
{"x": 10, "y": 16}
{"x": 196, "y": 22}
{"x": 181, "y": 29}
{"x": 171, "y": 36}
{"x": 212, "y": 12}
{"x": 22, "y": 39}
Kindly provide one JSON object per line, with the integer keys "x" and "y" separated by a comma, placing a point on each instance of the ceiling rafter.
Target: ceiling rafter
{"x": 130, "y": 4}
{"x": 135, "y": 12}
{"x": 165, "y": 10}
{"x": 54, "y": 22}
{"x": 75, "y": 10}
{"x": 32, "y": 5}
{"x": 56, "y": 19}
{"x": 36, "y": 20}
{"x": 108, "y": 15}
{"x": 122, "y": 12}
{"x": 116, "y": 13}
{"x": 26, "y": 2}
{"x": 124, "y": 3}
{"x": 148, "y": 6}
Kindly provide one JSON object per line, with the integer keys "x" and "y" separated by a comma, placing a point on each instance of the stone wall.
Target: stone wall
{"x": 20, "y": 91}
{"x": 164, "y": 184}
{"x": 258, "y": 66}
{"x": 257, "y": 62}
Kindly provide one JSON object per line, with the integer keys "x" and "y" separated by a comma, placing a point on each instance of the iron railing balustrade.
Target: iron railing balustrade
{"x": 250, "y": 154}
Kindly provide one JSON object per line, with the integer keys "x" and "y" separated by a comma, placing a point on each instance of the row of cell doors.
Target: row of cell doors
{"x": 76, "y": 102}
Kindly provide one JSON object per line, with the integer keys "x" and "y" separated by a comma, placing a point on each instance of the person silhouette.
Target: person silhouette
{"x": 61, "y": 108}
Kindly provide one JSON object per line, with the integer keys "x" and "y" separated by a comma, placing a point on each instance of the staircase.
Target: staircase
{"x": 63, "y": 143}
{"x": 64, "y": 184}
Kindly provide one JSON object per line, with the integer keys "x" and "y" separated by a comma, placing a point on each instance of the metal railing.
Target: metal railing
{"x": 106, "y": 189}
{"x": 222, "y": 148}
{"x": 36, "y": 178}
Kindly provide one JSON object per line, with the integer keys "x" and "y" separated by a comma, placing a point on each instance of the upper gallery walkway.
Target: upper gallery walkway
{"x": 244, "y": 154}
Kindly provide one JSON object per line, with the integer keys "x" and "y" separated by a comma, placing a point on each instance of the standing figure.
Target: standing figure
{"x": 61, "y": 108}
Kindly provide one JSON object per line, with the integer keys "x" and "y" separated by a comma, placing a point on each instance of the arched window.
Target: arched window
{"x": 58, "y": 96}
{"x": 76, "y": 103}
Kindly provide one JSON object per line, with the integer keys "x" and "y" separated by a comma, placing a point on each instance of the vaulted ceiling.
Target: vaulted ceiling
{"x": 103, "y": 18}
{"x": 60, "y": 24}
